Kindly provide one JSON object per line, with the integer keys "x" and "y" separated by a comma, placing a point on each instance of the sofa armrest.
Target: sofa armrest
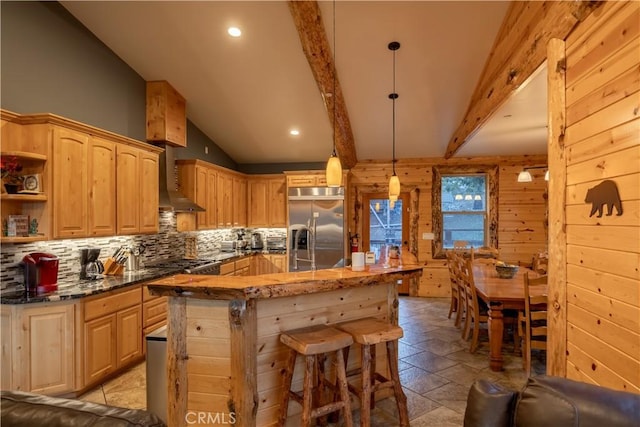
{"x": 572, "y": 403}
{"x": 489, "y": 405}
{"x": 28, "y": 409}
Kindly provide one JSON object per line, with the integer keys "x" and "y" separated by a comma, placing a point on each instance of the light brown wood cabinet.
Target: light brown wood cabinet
{"x": 268, "y": 263}
{"x": 112, "y": 333}
{"x": 137, "y": 191}
{"x": 224, "y": 190}
{"x": 317, "y": 179}
{"x": 154, "y": 314}
{"x": 38, "y": 347}
{"x": 239, "y": 201}
{"x": 166, "y": 114}
{"x": 267, "y": 202}
{"x": 102, "y": 187}
{"x": 70, "y": 180}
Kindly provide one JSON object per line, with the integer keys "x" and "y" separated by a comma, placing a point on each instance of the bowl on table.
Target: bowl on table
{"x": 506, "y": 271}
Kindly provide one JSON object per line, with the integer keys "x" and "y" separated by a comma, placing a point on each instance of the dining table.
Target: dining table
{"x": 501, "y": 294}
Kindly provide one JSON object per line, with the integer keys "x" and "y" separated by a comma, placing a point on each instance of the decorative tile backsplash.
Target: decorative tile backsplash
{"x": 168, "y": 243}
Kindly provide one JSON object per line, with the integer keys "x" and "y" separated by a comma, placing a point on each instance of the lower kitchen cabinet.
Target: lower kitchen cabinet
{"x": 38, "y": 347}
{"x": 112, "y": 333}
{"x": 154, "y": 314}
{"x": 268, "y": 263}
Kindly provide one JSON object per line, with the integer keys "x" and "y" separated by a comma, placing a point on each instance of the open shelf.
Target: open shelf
{"x": 24, "y": 155}
{"x": 24, "y": 197}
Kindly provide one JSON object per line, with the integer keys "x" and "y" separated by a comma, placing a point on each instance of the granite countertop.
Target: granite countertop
{"x": 75, "y": 288}
{"x": 278, "y": 284}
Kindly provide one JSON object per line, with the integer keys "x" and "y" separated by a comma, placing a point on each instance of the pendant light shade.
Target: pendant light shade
{"x": 524, "y": 176}
{"x": 334, "y": 167}
{"x": 394, "y": 181}
{"x": 334, "y": 171}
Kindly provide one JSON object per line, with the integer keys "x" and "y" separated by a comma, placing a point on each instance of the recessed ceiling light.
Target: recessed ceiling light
{"x": 294, "y": 132}
{"x": 234, "y": 32}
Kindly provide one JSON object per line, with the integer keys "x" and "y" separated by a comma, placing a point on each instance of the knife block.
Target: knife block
{"x": 112, "y": 268}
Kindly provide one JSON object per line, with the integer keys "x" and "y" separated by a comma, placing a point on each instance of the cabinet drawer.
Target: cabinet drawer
{"x": 154, "y": 312}
{"x": 301, "y": 181}
{"x": 243, "y": 263}
{"x": 227, "y": 268}
{"x": 146, "y": 295}
{"x": 104, "y": 305}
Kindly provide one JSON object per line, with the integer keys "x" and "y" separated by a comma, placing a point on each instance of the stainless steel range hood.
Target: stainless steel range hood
{"x": 170, "y": 197}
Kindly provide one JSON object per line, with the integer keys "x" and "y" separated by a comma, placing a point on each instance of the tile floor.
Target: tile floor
{"x": 436, "y": 370}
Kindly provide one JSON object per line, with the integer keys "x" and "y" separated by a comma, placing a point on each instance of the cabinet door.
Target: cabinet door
{"x": 102, "y": 187}
{"x": 70, "y": 177}
{"x": 99, "y": 348}
{"x": 49, "y": 348}
{"x": 128, "y": 190}
{"x": 212, "y": 199}
{"x": 277, "y": 203}
{"x": 239, "y": 202}
{"x": 7, "y": 346}
{"x": 201, "y": 192}
{"x": 257, "y": 203}
{"x": 129, "y": 335}
{"x": 279, "y": 263}
{"x": 223, "y": 200}
{"x": 148, "y": 192}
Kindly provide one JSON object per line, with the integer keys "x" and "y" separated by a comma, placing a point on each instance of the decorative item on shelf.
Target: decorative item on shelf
{"x": 525, "y": 175}
{"x": 17, "y": 226}
{"x": 33, "y": 227}
{"x": 32, "y": 184}
{"x": 334, "y": 167}
{"x": 394, "y": 181}
{"x": 10, "y": 170}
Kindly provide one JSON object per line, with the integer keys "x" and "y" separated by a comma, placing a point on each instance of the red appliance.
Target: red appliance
{"x": 40, "y": 273}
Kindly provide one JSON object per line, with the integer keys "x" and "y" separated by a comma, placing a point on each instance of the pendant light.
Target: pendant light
{"x": 334, "y": 167}
{"x": 394, "y": 181}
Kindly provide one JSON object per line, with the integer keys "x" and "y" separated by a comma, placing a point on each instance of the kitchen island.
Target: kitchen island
{"x": 225, "y": 359}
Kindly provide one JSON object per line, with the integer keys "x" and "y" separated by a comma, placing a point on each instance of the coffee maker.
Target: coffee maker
{"x": 40, "y": 273}
{"x": 90, "y": 265}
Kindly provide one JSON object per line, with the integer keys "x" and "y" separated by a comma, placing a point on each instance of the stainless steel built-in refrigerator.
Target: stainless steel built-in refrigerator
{"x": 316, "y": 213}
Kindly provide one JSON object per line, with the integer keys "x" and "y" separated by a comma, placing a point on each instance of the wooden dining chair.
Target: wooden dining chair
{"x": 540, "y": 262}
{"x": 484, "y": 256}
{"x": 460, "y": 244}
{"x": 534, "y": 320}
{"x": 476, "y": 309}
{"x": 455, "y": 304}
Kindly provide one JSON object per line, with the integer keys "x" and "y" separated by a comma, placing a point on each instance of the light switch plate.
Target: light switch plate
{"x": 427, "y": 236}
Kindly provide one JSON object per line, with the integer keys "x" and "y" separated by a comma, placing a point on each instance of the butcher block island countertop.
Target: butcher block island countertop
{"x": 224, "y": 356}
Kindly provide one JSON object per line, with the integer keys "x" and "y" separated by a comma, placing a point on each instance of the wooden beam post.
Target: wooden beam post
{"x": 515, "y": 55}
{"x": 244, "y": 362}
{"x": 308, "y": 21}
{"x": 557, "y": 268}
{"x": 177, "y": 361}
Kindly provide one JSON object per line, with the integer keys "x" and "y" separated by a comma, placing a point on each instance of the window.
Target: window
{"x": 385, "y": 225}
{"x": 464, "y": 205}
{"x": 464, "y": 211}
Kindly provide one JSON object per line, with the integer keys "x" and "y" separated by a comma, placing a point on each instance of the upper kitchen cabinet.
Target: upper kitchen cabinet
{"x": 102, "y": 187}
{"x": 239, "y": 201}
{"x": 166, "y": 114}
{"x": 266, "y": 201}
{"x": 224, "y": 198}
{"x": 137, "y": 190}
{"x": 197, "y": 181}
{"x": 70, "y": 182}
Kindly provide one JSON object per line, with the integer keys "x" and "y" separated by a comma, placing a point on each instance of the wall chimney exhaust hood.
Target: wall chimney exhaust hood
{"x": 170, "y": 198}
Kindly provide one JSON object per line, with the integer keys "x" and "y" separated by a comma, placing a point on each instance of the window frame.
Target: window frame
{"x": 366, "y": 224}
{"x": 491, "y": 220}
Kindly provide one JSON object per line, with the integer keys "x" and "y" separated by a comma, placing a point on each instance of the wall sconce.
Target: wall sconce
{"x": 458, "y": 197}
{"x": 468, "y": 197}
{"x": 477, "y": 197}
{"x": 525, "y": 175}
{"x": 377, "y": 207}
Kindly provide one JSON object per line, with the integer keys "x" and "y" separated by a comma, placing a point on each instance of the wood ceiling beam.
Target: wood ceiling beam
{"x": 519, "y": 49}
{"x": 308, "y": 20}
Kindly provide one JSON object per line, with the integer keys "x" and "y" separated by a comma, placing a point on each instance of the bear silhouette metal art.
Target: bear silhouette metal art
{"x": 605, "y": 193}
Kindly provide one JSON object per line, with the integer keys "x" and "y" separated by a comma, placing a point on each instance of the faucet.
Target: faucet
{"x": 311, "y": 245}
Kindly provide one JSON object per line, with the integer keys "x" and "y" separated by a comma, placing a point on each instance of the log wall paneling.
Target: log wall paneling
{"x": 602, "y": 141}
{"x": 520, "y": 218}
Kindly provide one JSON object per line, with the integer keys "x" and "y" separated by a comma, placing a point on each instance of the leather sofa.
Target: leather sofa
{"x": 550, "y": 401}
{"x": 18, "y": 409}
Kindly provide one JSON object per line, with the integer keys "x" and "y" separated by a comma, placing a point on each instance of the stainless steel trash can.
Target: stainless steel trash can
{"x": 157, "y": 372}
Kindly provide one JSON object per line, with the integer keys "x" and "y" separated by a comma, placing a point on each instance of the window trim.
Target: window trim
{"x": 491, "y": 225}
{"x": 366, "y": 200}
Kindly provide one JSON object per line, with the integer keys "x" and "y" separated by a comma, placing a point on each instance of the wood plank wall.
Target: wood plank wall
{"x": 602, "y": 141}
{"x": 521, "y": 216}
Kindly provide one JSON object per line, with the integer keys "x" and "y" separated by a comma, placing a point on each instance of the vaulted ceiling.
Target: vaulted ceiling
{"x": 247, "y": 93}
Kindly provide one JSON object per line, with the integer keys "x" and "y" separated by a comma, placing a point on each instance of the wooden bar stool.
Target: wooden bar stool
{"x": 314, "y": 343}
{"x": 369, "y": 332}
